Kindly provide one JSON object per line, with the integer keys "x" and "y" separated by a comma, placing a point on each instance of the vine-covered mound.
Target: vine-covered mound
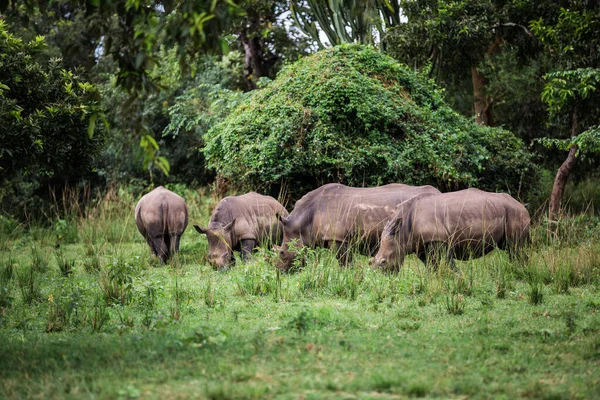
{"x": 352, "y": 115}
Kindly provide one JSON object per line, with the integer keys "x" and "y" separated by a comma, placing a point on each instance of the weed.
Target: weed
{"x": 301, "y": 322}
{"x": 570, "y": 322}
{"x": 28, "y": 282}
{"x": 116, "y": 282}
{"x": 92, "y": 265}
{"x": 6, "y": 275}
{"x": 148, "y": 303}
{"x": 207, "y": 336}
{"x": 39, "y": 259}
{"x": 257, "y": 280}
{"x": 208, "y": 291}
{"x": 7, "y": 270}
{"x": 455, "y": 304}
{"x": 65, "y": 266}
{"x": 99, "y": 315}
{"x": 66, "y": 231}
{"x": 346, "y": 282}
{"x": 57, "y": 318}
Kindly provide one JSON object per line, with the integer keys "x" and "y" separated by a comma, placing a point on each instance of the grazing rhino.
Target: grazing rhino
{"x": 463, "y": 224}
{"x": 242, "y": 223}
{"x": 161, "y": 217}
{"x": 335, "y": 216}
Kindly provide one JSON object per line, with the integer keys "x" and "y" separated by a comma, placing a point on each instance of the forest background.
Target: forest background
{"x": 103, "y": 93}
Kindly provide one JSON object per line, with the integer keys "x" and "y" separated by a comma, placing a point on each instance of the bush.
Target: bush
{"x": 352, "y": 115}
{"x": 48, "y": 117}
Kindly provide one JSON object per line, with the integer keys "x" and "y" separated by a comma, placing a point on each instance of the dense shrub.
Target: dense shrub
{"x": 350, "y": 114}
{"x": 45, "y": 112}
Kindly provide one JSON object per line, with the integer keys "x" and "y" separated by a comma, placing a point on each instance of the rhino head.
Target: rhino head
{"x": 391, "y": 249}
{"x": 220, "y": 243}
{"x": 292, "y": 240}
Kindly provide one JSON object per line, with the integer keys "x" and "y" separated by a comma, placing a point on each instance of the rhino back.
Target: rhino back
{"x": 459, "y": 216}
{"x": 335, "y": 211}
{"x": 161, "y": 211}
{"x": 255, "y": 215}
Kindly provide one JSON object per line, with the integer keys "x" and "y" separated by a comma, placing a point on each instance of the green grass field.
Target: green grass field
{"x": 97, "y": 317}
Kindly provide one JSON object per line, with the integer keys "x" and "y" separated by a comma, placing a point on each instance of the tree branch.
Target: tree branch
{"x": 512, "y": 24}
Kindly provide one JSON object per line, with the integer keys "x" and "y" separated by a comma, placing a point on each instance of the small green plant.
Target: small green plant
{"x": 455, "y": 304}
{"x": 148, "y": 303}
{"x": 301, "y": 322}
{"x": 257, "y": 279}
{"x": 346, "y": 282}
{"x": 65, "y": 266}
{"x": 535, "y": 282}
{"x": 208, "y": 292}
{"x": 536, "y": 292}
{"x": 57, "y": 317}
{"x": 570, "y": 318}
{"x": 39, "y": 259}
{"x": 6, "y": 275}
{"x": 28, "y": 282}
{"x": 126, "y": 321}
{"x": 116, "y": 282}
{"x": 207, "y": 336}
{"x": 92, "y": 265}
{"x": 99, "y": 315}
{"x": 66, "y": 231}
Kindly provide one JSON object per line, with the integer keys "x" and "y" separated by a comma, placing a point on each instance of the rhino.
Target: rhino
{"x": 161, "y": 217}
{"x": 337, "y": 216}
{"x": 242, "y": 223}
{"x": 463, "y": 224}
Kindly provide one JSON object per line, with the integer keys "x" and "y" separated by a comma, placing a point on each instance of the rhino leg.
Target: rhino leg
{"x": 160, "y": 247}
{"x": 247, "y": 246}
{"x": 174, "y": 244}
{"x": 435, "y": 253}
{"x": 341, "y": 251}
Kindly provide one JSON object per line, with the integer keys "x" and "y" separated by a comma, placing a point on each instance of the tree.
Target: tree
{"x": 48, "y": 115}
{"x": 350, "y": 114}
{"x": 572, "y": 92}
{"x": 346, "y": 21}
{"x": 457, "y": 37}
{"x": 267, "y": 38}
{"x": 131, "y": 32}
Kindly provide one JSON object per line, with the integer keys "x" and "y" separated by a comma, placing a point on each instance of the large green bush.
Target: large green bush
{"x": 47, "y": 120}
{"x": 350, "y": 114}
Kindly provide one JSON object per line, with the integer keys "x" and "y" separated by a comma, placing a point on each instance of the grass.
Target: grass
{"x": 102, "y": 319}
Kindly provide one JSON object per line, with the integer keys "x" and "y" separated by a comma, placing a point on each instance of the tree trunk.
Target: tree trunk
{"x": 253, "y": 62}
{"x": 483, "y": 111}
{"x": 481, "y": 102}
{"x": 562, "y": 176}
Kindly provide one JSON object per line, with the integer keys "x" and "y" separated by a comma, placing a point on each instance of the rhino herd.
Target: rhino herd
{"x": 386, "y": 222}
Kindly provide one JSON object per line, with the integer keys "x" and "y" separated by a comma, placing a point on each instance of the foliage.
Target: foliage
{"x": 352, "y": 115}
{"x": 48, "y": 113}
{"x": 173, "y": 121}
{"x": 131, "y": 32}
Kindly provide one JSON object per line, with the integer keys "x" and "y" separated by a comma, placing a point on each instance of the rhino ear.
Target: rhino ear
{"x": 201, "y": 230}
{"x": 394, "y": 225}
{"x": 229, "y": 227}
{"x": 284, "y": 220}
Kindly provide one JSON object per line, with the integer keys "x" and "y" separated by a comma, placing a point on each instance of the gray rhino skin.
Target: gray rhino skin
{"x": 242, "y": 223}
{"x": 337, "y": 216}
{"x": 161, "y": 217}
{"x": 464, "y": 224}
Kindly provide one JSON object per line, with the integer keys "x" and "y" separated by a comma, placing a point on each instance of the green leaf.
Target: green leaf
{"x": 163, "y": 164}
{"x": 92, "y": 125}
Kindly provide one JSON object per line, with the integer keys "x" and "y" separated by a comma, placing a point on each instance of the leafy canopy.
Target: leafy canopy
{"x": 350, "y": 114}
